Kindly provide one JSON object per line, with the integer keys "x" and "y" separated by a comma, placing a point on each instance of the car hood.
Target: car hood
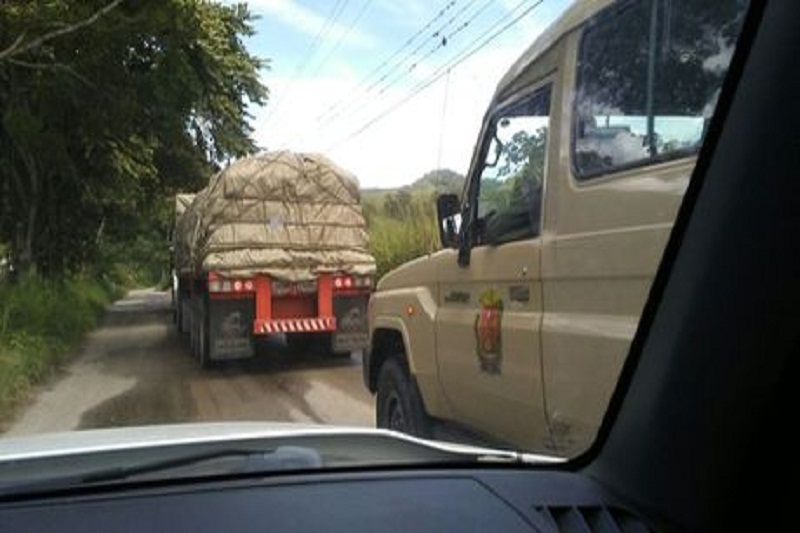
{"x": 368, "y": 443}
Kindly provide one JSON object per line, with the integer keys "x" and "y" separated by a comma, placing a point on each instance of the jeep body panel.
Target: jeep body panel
{"x": 530, "y": 334}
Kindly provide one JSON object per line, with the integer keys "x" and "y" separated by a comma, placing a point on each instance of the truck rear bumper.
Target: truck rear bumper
{"x": 294, "y": 325}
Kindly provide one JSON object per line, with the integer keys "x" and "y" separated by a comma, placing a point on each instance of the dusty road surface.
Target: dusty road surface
{"x": 136, "y": 370}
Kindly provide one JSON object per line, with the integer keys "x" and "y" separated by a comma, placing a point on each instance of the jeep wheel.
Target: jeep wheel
{"x": 399, "y": 405}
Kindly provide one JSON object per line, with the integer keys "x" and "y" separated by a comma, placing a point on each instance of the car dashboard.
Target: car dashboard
{"x": 451, "y": 499}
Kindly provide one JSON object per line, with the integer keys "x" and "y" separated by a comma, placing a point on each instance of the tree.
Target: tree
{"x": 99, "y": 122}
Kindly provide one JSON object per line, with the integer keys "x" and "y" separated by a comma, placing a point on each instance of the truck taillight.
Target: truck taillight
{"x": 230, "y": 285}
{"x": 352, "y": 282}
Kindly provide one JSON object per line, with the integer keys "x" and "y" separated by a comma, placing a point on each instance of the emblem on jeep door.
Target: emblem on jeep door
{"x": 488, "y": 332}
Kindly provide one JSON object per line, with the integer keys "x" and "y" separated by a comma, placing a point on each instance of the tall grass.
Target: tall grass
{"x": 40, "y": 322}
{"x": 393, "y": 242}
{"x": 402, "y": 226}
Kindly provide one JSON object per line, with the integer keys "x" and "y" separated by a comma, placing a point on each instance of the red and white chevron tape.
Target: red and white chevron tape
{"x": 298, "y": 325}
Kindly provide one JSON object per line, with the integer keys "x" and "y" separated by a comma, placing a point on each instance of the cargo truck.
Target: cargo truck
{"x": 275, "y": 244}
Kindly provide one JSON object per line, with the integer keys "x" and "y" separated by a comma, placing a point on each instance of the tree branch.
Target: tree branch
{"x": 13, "y": 48}
{"x": 52, "y": 66}
{"x": 17, "y": 47}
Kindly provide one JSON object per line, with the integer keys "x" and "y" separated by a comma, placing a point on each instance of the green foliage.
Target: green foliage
{"x": 99, "y": 123}
{"x": 438, "y": 182}
{"x": 40, "y": 321}
{"x": 139, "y": 256}
{"x": 402, "y": 224}
{"x": 393, "y": 242}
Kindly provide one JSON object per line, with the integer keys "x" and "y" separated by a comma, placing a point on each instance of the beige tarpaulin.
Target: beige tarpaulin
{"x": 279, "y": 213}
{"x": 182, "y": 203}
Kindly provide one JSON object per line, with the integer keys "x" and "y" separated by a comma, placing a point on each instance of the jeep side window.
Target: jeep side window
{"x": 510, "y": 186}
{"x": 648, "y": 78}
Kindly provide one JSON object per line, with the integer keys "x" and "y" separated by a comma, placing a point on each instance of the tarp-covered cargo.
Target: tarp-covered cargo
{"x": 182, "y": 203}
{"x": 288, "y": 215}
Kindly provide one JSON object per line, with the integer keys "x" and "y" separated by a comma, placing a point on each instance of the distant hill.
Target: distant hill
{"x": 435, "y": 181}
{"x": 440, "y": 181}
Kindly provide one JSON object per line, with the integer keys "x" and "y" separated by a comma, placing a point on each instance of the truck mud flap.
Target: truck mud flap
{"x": 352, "y": 330}
{"x": 231, "y": 329}
{"x": 185, "y": 314}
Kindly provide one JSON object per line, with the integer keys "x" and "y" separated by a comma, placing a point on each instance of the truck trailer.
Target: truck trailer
{"x": 275, "y": 244}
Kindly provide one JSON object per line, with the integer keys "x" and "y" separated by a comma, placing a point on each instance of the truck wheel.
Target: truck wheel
{"x": 203, "y": 346}
{"x": 192, "y": 329}
{"x": 398, "y": 403}
{"x": 178, "y": 314}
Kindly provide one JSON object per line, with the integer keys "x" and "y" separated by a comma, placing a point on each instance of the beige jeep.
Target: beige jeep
{"x": 518, "y": 328}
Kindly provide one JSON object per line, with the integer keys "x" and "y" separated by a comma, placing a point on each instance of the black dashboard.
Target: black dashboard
{"x": 435, "y": 500}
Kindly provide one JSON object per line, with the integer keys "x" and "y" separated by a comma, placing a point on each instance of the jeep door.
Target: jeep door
{"x": 489, "y": 314}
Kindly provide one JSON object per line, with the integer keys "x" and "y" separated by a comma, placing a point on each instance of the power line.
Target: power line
{"x": 301, "y": 66}
{"x": 444, "y": 116}
{"x": 359, "y": 87}
{"x": 342, "y": 36}
{"x": 438, "y": 74}
{"x": 421, "y": 45}
{"x": 440, "y": 44}
{"x": 445, "y": 39}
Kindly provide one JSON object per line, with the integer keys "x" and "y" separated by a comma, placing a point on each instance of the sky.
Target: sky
{"x": 346, "y": 78}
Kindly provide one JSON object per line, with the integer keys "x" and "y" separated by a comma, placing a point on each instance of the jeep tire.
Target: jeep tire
{"x": 399, "y": 405}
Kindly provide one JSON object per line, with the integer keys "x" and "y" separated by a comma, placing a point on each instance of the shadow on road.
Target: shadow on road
{"x": 137, "y": 312}
{"x": 273, "y": 356}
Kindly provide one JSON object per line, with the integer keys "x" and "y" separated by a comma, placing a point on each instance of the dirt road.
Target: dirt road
{"x": 136, "y": 370}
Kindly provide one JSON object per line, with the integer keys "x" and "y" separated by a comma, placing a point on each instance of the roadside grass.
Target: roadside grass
{"x": 402, "y": 226}
{"x": 40, "y": 322}
{"x": 394, "y": 242}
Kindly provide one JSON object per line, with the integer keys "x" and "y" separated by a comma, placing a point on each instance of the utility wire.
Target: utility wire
{"x": 368, "y": 79}
{"x": 301, "y": 66}
{"x": 347, "y": 32}
{"x": 434, "y": 36}
{"x": 442, "y": 123}
{"x": 442, "y": 71}
{"x": 441, "y": 41}
{"x": 445, "y": 40}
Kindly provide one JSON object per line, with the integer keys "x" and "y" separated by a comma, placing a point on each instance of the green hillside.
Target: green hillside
{"x": 402, "y": 221}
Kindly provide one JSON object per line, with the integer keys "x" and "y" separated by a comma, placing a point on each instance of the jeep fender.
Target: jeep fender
{"x": 407, "y": 315}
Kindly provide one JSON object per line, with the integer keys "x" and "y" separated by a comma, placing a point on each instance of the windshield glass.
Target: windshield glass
{"x": 433, "y": 218}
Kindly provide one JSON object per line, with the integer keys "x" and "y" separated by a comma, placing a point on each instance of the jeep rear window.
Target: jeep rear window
{"x": 649, "y": 74}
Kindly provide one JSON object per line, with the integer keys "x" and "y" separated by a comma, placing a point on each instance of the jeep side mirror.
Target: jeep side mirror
{"x": 449, "y": 219}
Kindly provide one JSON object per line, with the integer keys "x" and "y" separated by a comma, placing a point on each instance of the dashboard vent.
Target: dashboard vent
{"x": 590, "y": 519}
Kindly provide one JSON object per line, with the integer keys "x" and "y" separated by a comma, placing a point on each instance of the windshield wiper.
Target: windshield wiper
{"x": 281, "y": 458}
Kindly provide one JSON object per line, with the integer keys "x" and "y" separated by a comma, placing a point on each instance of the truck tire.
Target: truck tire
{"x": 192, "y": 328}
{"x": 178, "y": 317}
{"x": 203, "y": 338}
{"x": 398, "y": 404}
